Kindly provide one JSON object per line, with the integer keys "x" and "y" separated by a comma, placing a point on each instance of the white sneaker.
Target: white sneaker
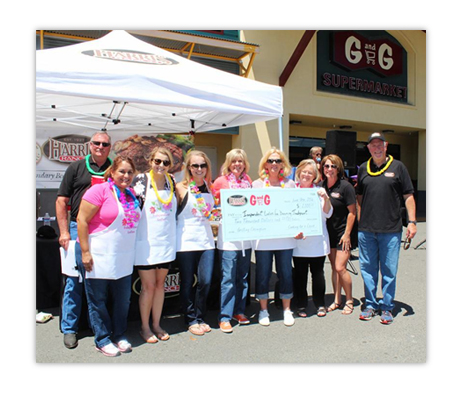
{"x": 264, "y": 318}
{"x": 109, "y": 350}
{"x": 288, "y": 318}
{"x": 124, "y": 346}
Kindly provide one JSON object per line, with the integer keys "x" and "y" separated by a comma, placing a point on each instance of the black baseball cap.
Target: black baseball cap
{"x": 376, "y": 135}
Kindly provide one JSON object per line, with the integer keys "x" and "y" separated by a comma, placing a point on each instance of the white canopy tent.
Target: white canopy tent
{"x": 121, "y": 83}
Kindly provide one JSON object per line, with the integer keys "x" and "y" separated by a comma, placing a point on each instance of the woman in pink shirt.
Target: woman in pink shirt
{"x": 106, "y": 224}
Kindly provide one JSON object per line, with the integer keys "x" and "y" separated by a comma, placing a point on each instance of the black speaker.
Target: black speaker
{"x": 343, "y": 144}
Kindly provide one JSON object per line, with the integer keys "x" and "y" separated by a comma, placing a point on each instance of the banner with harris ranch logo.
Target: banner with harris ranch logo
{"x": 55, "y": 153}
{"x": 259, "y": 214}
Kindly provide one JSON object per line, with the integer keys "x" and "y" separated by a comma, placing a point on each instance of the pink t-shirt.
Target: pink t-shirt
{"x": 102, "y": 196}
{"x": 223, "y": 183}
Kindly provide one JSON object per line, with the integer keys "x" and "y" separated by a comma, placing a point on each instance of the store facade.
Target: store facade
{"x": 353, "y": 82}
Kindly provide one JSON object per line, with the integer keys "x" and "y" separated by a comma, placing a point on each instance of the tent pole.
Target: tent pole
{"x": 281, "y": 132}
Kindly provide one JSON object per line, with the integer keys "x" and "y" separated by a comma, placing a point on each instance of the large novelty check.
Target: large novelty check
{"x": 258, "y": 214}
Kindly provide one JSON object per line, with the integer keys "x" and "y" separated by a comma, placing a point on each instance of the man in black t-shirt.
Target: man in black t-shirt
{"x": 77, "y": 179}
{"x": 383, "y": 185}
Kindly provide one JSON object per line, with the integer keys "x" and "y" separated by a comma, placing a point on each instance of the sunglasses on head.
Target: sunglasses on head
{"x": 201, "y": 166}
{"x": 330, "y": 166}
{"x": 276, "y": 161}
{"x": 104, "y": 144}
{"x": 166, "y": 163}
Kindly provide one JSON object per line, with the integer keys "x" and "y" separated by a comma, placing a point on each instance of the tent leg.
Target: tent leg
{"x": 281, "y": 134}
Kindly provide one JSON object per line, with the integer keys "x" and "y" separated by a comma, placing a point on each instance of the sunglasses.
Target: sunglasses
{"x": 201, "y": 166}
{"x": 166, "y": 163}
{"x": 104, "y": 144}
{"x": 327, "y": 166}
{"x": 276, "y": 161}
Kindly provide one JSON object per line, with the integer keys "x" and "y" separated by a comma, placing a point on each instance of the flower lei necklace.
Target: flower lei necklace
{"x": 382, "y": 170}
{"x": 166, "y": 203}
{"x": 131, "y": 216}
{"x": 237, "y": 183}
{"x": 87, "y": 164}
{"x": 203, "y": 207}
{"x": 281, "y": 179}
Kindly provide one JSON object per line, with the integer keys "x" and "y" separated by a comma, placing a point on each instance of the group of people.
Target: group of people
{"x": 122, "y": 220}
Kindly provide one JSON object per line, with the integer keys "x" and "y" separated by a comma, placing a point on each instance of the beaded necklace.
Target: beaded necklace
{"x": 131, "y": 216}
{"x": 87, "y": 164}
{"x": 382, "y": 170}
{"x": 203, "y": 207}
{"x": 166, "y": 203}
{"x": 237, "y": 183}
{"x": 281, "y": 179}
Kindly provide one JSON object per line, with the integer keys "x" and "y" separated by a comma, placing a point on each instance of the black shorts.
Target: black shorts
{"x": 167, "y": 265}
{"x": 335, "y": 237}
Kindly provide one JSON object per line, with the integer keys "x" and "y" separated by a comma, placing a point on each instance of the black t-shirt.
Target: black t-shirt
{"x": 382, "y": 197}
{"x": 342, "y": 194}
{"x": 76, "y": 180}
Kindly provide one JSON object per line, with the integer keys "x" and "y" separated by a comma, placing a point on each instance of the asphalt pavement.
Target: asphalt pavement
{"x": 335, "y": 338}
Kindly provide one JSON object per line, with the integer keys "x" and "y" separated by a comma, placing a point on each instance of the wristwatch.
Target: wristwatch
{"x": 415, "y": 222}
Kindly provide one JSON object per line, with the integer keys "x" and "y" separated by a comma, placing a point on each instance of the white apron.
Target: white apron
{"x": 194, "y": 231}
{"x": 113, "y": 249}
{"x": 156, "y": 233}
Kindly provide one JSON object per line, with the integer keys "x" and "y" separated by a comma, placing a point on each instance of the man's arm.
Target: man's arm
{"x": 61, "y": 206}
{"x": 411, "y": 208}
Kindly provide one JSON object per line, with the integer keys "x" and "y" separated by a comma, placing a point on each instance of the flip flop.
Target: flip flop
{"x": 205, "y": 327}
{"x": 152, "y": 339}
{"x": 164, "y": 336}
{"x": 195, "y": 329}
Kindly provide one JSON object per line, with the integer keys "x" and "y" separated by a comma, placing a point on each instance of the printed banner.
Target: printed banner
{"x": 258, "y": 214}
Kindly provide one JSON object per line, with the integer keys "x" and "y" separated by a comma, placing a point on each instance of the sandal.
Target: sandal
{"x": 151, "y": 339}
{"x": 334, "y": 306}
{"x": 302, "y": 313}
{"x": 195, "y": 329}
{"x": 205, "y": 327}
{"x": 349, "y": 307}
{"x": 162, "y": 335}
{"x": 321, "y": 311}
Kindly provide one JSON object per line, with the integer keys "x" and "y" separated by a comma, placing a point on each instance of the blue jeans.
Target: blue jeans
{"x": 234, "y": 282}
{"x": 379, "y": 252}
{"x": 106, "y": 328}
{"x": 196, "y": 272}
{"x": 72, "y": 297}
{"x": 283, "y": 260}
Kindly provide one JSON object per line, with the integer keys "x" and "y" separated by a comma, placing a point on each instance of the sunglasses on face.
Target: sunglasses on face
{"x": 166, "y": 163}
{"x": 276, "y": 161}
{"x": 104, "y": 144}
{"x": 201, "y": 166}
{"x": 327, "y": 166}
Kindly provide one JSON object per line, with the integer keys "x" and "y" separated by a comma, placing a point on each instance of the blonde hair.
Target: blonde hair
{"x": 304, "y": 164}
{"x": 188, "y": 174}
{"x": 162, "y": 150}
{"x": 286, "y": 167}
{"x": 231, "y": 156}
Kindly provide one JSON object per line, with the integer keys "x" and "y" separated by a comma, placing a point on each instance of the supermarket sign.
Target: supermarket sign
{"x": 370, "y": 64}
